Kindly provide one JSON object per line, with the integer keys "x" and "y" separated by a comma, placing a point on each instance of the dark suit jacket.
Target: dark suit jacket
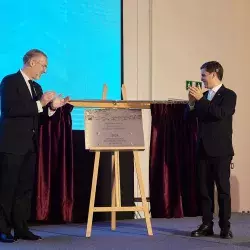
{"x": 19, "y": 114}
{"x": 215, "y": 122}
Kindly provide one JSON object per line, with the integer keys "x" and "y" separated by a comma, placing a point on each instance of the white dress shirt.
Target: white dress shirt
{"x": 38, "y": 103}
{"x": 212, "y": 92}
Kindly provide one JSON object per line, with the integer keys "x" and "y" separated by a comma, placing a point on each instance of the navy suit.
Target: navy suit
{"x": 19, "y": 126}
{"x": 215, "y": 152}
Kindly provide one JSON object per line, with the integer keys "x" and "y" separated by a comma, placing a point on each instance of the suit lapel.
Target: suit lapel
{"x": 219, "y": 94}
{"x": 22, "y": 86}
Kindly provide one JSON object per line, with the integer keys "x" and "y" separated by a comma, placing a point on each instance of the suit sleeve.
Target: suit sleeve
{"x": 46, "y": 111}
{"x": 224, "y": 109}
{"x": 189, "y": 113}
{"x": 39, "y": 92}
{"x": 12, "y": 105}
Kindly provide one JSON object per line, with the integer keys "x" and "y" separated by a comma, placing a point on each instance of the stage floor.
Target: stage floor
{"x": 131, "y": 234}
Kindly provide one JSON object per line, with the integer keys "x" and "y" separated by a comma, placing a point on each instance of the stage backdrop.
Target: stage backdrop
{"x": 82, "y": 39}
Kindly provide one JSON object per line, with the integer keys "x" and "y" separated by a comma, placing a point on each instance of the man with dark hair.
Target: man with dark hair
{"x": 214, "y": 110}
{"x": 23, "y": 104}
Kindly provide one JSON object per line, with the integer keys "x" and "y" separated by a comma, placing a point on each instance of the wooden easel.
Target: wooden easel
{"x": 116, "y": 188}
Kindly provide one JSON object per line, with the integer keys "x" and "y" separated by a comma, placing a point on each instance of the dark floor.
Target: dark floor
{"x": 132, "y": 234}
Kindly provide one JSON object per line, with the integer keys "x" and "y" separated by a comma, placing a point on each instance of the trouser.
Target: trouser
{"x": 17, "y": 174}
{"x": 215, "y": 170}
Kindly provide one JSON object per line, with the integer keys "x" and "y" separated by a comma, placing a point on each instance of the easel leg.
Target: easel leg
{"x": 141, "y": 187}
{"x": 117, "y": 179}
{"x": 113, "y": 213}
{"x": 93, "y": 193}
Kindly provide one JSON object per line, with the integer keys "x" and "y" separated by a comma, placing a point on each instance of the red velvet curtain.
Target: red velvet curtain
{"x": 54, "y": 188}
{"x": 173, "y": 182}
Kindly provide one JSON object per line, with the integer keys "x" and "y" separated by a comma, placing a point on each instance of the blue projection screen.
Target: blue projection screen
{"x": 82, "y": 39}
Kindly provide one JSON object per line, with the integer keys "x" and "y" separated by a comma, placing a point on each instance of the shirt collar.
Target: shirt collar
{"x": 26, "y": 78}
{"x": 216, "y": 88}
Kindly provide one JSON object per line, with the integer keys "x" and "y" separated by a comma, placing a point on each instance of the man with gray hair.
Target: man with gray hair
{"x": 23, "y": 104}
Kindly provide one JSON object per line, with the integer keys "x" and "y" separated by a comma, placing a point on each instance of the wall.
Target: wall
{"x": 166, "y": 41}
{"x": 137, "y": 69}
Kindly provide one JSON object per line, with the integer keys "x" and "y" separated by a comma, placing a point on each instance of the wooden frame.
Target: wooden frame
{"x": 116, "y": 191}
{"x": 116, "y": 188}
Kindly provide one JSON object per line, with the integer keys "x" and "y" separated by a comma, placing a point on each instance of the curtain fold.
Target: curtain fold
{"x": 172, "y": 168}
{"x": 54, "y": 187}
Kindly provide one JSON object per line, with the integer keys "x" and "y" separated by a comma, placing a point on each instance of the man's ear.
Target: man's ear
{"x": 31, "y": 63}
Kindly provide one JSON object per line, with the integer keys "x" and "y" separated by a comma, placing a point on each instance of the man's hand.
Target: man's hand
{"x": 58, "y": 102}
{"x": 195, "y": 93}
{"x": 47, "y": 97}
{"x": 191, "y": 99}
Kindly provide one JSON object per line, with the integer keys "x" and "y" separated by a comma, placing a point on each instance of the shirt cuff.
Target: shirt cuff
{"x": 39, "y": 106}
{"x": 51, "y": 112}
{"x": 191, "y": 106}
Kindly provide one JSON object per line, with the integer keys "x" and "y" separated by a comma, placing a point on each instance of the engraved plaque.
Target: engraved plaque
{"x": 114, "y": 128}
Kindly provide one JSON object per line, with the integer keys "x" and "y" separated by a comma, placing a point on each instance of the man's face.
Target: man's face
{"x": 207, "y": 78}
{"x": 38, "y": 66}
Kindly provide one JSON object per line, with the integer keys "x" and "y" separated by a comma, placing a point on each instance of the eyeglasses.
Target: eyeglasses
{"x": 43, "y": 65}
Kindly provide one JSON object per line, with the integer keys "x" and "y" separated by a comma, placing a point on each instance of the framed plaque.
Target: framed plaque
{"x": 112, "y": 129}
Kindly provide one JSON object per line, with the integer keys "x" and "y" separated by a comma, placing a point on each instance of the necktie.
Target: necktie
{"x": 32, "y": 88}
{"x": 210, "y": 95}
